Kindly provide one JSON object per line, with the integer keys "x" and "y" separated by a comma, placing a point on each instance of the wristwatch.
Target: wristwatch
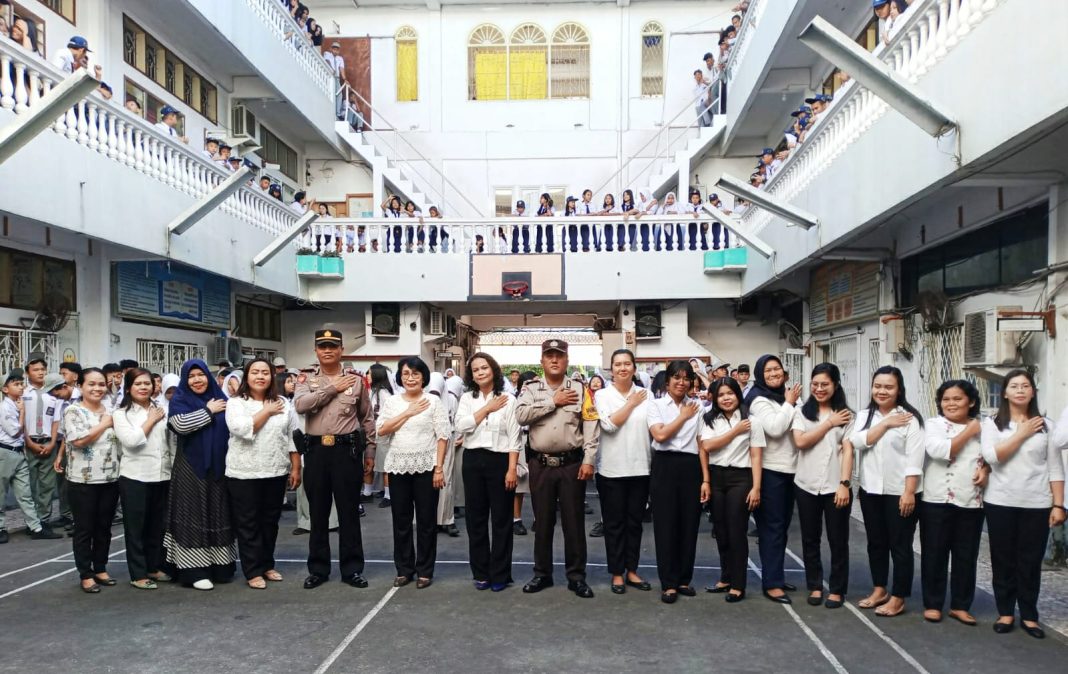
{"x": 846, "y": 483}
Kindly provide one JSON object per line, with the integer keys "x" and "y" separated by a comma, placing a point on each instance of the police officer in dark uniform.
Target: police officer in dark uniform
{"x": 563, "y": 452}
{"x": 339, "y": 447}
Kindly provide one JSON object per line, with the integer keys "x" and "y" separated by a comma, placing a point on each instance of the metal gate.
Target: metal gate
{"x": 845, "y": 353}
{"x": 793, "y": 361}
{"x": 16, "y": 345}
{"x": 941, "y": 357}
{"x": 166, "y": 357}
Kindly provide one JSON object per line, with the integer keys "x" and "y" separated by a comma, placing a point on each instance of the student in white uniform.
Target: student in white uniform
{"x": 702, "y": 98}
{"x": 1024, "y": 499}
{"x": 732, "y": 447}
{"x": 822, "y": 487}
{"x": 70, "y": 59}
{"x": 951, "y": 516}
{"x": 14, "y": 471}
{"x": 672, "y": 233}
{"x": 168, "y": 123}
{"x": 890, "y": 443}
{"x": 41, "y": 430}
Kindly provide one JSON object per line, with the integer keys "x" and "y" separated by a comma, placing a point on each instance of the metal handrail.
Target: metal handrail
{"x": 750, "y": 18}
{"x": 397, "y": 133}
{"x": 664, "y": 128}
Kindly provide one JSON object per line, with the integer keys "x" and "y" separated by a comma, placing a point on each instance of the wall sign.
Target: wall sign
{"x": 843, "y": 292}
{"x": 167, "y": 292}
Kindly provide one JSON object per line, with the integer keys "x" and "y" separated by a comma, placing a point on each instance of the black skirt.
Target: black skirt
{"x": 198, "y": 532}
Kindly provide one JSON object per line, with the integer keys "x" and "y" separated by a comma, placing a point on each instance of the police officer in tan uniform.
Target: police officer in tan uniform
{"x": 563, "y": 452}
{"x": 339, "y": 447}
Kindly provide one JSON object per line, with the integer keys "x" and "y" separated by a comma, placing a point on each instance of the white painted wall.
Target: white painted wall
{"x": 584, "y": 355}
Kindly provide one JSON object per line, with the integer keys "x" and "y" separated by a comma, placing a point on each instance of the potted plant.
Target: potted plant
{"x": 331, "y": 265}
{"x": 307, "y": 262}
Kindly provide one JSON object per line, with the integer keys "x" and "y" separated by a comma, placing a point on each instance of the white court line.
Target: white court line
{"x": 356, "y": 631}
{"x": 905, "y": 655}
{"x": 52, "y": 577}
{"x": 60, "y": 558}
{"x": 826, "y": 652}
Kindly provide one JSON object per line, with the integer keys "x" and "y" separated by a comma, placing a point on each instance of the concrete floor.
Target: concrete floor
{"x": 50, "y": 626}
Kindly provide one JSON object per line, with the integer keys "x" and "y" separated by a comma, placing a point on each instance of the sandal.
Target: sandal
{"x": 106, "y": 582}
{"x": 257, "y": 583}
{"x": 932, "y": 615}
{"x": 887, "y": 612}
{"x": 91, "y": 589}
{"x": 160, "y": 577}
{"x": 868, "y": 602}
{"x": 144, "y": 584}
{"x": 273, "y": 576}
{"x": 963, "y": 617}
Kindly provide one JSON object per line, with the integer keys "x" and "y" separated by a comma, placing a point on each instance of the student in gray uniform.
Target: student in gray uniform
{"x": 14, "y": 471}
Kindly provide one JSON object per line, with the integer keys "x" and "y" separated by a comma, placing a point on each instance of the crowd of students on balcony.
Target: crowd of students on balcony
{"x": 711, "y": 74}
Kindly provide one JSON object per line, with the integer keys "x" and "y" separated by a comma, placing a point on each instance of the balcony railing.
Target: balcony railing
{"x": 596, "y": 235}
{"x": 116, "y": 133}
{"x": 750, "y": 20}
{"x": 280, "y": 23}
{"x": 929, "y": 30}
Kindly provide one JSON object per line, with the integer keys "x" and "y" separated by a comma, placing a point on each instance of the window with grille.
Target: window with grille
{"x": 274, "y": 151}
{"x": 569, "y": 62}
{"x": 150, "y": 105}
{"x": 528, "y": 68}
{"x": 164, "y": 357}
{"x": 143, "y": 52}
{"x": 407, "y": 64}
{"x": 487, "y": 64}
{"x": 652, "y": 59}
{"x": 258, "y": 322}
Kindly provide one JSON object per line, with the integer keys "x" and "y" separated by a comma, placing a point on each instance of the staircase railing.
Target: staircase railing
{"x": 397, "y": 135}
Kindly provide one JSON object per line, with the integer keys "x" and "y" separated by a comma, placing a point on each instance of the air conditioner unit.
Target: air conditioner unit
{"x": 227, "y": 348}
{"x": 647, "y": 321}
{"x": 983, "y": 344}
{"x": 437, "y": 322}
{"x": 242, "y": 121}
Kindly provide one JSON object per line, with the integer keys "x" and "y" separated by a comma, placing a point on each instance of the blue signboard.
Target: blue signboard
{"x": 171, "y": 292}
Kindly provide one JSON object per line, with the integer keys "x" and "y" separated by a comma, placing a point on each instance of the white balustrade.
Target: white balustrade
{"x": 116, "y": 133}
{"x": 750, "y": 21}
{"x": 277, "y": 19}
{"x": 930, "y": 29}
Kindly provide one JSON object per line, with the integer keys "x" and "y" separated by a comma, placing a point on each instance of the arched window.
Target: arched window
{"x": 487, "y": 64}
{"x": 407, "y": 64}
{"x": 652, "y": 59}
{"x": 528, "y": 63}
{"x": 569, "y": 62}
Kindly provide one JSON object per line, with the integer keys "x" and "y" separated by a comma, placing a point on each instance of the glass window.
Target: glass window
{"x": 528, "y": 68}
{"x": 274, "y": 151}
{"x": 569, "y": 62}
{"x": 652, "y": 59}
{"x": 143, "y": 52}
{"x": 26, "y": 278}
{"x": 64, "y": 8}
{"x": 502, "y": 202}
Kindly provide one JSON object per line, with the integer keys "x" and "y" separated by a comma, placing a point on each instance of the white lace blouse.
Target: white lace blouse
{"x": 413, "y": 448}
{"x": 265, "y": 453}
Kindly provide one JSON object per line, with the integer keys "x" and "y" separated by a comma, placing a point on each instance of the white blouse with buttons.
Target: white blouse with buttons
{"x": 897, "y": 455}
{"x": 498, "y": 432}
{"x": 263, "y": 453}
{"x": 1022, "y": 480}
{"x": 736, "y": 453}
{"x": 949, "y": 480}
{"x": 819, "y": 468}
{"x": 625, "y": 450}
{"x": 776, "y": 419}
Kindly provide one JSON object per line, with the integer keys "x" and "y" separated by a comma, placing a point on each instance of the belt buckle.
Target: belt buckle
{"x": 553, "y": 461}
{"x": 328, "y": 440}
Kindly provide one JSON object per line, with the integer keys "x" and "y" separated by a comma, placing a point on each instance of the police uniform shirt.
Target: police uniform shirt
{"x": 327, "y": 412}
{"x": 557, "y": 429}
{"x": 45, "y": 410}
{"x": 10, "y": 430}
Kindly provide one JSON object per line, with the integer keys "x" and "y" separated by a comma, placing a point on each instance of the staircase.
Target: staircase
{"x": 387, "y": 174}
{"x": 673, "y": 173}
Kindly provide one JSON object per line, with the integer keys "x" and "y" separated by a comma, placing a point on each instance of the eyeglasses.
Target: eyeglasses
{"x": 411, "y": 375}
{"x": 822, "y": 384}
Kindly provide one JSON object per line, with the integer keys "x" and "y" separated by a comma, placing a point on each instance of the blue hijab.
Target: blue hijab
{"x": 760, "y": 387}
{"x": 204, "y": 448}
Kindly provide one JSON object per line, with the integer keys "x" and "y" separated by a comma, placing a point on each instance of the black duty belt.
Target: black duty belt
{"x": 11, "y": 447}
{"x": 560, "y": 458}
{"x": 345, "y": 440}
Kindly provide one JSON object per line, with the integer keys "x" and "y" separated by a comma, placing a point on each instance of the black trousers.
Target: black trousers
{"x": 93, "y": 507}
{"x": 144, "y": 507}
{"x": 813, "y": 511}
{"x": 675, "y": 488}
{"x": 889, "y": 537}
{"x": 1017, "y": 544}
{"x": 255, "y": 508}
{"x": 730, "y": 517}
{"x": 488, "y": 514}
{"x": 945, "y": 530}
{"x": 773, "y": 524}
{"x": 549, "y": 486}
{"x": 622, "y": 508}
{"x": 413, "y": 495}
{"x": 333, "y": 476}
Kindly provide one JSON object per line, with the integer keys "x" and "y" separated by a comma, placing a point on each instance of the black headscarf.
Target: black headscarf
{"x": 204, "y": 448}
{"x": 760, "y": 387}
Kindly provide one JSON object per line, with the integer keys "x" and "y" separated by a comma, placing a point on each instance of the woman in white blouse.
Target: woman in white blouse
{"x": 90, "y": 461}
{"x": 623, "y": 470}
{"x": 261, "y": 462}
{"x": 485, "y": 421}
{"x": 890, "y": 444}
{"x": 822, "y": 487}
{"x": 951, "y": 517}
{"x": 144, "y": 477}
{"x": 1025, "y": 498}
{"x": 771, "y": 404}
{"x": 415, "y": 426}
{"x": 675, "y": 481}
{"x": 732, "y": 445}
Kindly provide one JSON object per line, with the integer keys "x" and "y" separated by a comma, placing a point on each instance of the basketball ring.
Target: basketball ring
{"x": 516, "y": 288}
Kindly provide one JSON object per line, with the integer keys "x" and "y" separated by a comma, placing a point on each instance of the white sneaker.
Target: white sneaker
{"x": 204, "y": 584}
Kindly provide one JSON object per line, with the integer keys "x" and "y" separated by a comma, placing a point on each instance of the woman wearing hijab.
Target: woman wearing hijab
{"x": 672, "y": 232}
{"x": 168, "y": 387}
{"x": 454, "y": 389}
{"x": 232, "y": 382}
{"x": 199, "y": 538}
{"x": 771, "y": 404}
{"x": 446, "y": 517}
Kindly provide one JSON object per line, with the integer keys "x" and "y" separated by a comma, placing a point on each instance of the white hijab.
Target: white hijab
{"x": 436, "y": 385}
{"x": 647, "y": 202}
{"x": 669, "y": 209}
{"x": 235, "y": 375}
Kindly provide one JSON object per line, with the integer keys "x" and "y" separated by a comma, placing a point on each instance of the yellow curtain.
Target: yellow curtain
{"x": 528, "y": 74}
{"x": 407, "y": 71}
{"x": 491, "y": 75}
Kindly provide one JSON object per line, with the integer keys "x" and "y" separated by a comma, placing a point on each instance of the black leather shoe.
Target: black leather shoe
{"x": 732, "y": 598}
{"x": 44, "y": 534}
{"x": 355, "y": 580}
{"x": 313, "y": 581}
{"x": 833, "y": 603}
{"x": 789, "y": 588}
{"x": 1003, "y": 628}
{"x": 669, "y": 597}
{"x": 537, "y": 584}
{"x": 642, "y": 585}
{"x": 687, "y": 591}
{"x": 518, "y": 528}
{"x": 3, "y": 536}
{"x": 105, "y": 582}
{"x": 716, "y": 589}
{"x": 1035, "y": 631}
{"x": 362, "y": 511}
{"x": 451, "y": 530}
{"x": 781, "y": 599}
{"x": 619, "y": 588}
{"x": 815, "y": 600}
{"x": 580, "y": 588}
{"x": 597, "y": 531}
